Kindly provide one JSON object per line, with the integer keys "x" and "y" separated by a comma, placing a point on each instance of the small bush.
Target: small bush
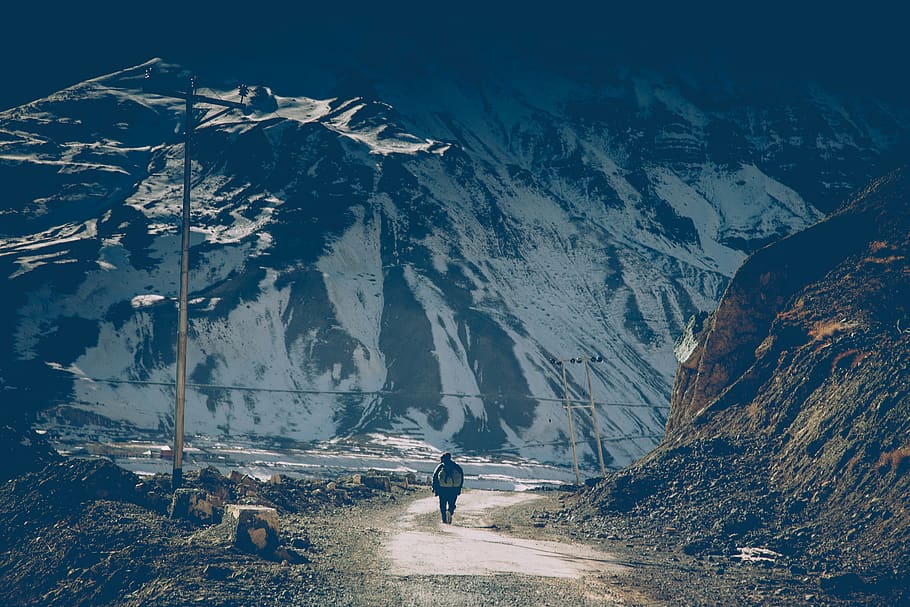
{"x": 897, "y": 460}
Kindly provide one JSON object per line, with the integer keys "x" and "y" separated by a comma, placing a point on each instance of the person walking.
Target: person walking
{"x": 448, "y": 479}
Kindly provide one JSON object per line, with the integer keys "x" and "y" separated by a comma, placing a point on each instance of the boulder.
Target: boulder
{"x": 842, "y": 583}
{"x": 279, "y": 479}
{"x": 192, "y": 504}
{"x": 377, "y": 482}
{"x": 252, "y": 529}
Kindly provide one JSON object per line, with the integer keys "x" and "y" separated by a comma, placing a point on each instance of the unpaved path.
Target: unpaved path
{"x": 403, "y": 555}
{"x": 420, "y": 544}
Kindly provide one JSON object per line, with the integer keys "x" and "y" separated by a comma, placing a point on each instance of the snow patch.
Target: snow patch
{"x": 147, "y": 301}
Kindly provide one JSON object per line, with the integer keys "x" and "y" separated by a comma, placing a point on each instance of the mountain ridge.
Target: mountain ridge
{"x": 396, "y": 249}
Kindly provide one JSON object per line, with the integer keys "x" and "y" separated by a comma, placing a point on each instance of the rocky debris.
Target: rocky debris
{"x": 383, "y": 483}
{"x": 84, "y": 532}
{"x": 23, "y": 450}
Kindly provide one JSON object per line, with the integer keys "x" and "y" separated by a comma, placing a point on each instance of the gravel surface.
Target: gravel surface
{"x": 84, "y": 532}
{"x": 369, "y": 568}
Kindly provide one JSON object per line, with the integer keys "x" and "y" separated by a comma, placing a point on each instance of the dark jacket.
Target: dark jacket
{"x": 448, "y": 476}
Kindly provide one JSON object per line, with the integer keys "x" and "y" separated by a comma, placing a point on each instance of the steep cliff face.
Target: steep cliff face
{"x": 794, "y": 405}
{"x": 732, "y": 359}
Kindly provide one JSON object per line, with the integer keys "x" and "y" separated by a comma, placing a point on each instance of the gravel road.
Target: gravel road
{"x": 420, "y": 544}
{"x": 492, "y": 554}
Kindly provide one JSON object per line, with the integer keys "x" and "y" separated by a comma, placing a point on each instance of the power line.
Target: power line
{"x": 488, "y": 395}
{"x": 611, "y": 439}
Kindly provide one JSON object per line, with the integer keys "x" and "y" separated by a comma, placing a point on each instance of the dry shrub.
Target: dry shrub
{"x": 877, "y": 245}
{"x": 897, "y": 460}
{"x": 851, "y": 358}
{"x": 884, "y": 260}
{"x": 829, "y": 328}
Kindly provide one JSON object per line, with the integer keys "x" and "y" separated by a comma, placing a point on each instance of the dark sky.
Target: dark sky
{"x": 862, "y": 47}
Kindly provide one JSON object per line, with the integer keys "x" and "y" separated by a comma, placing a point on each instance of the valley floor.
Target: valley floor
{"x": 79, "y": 533}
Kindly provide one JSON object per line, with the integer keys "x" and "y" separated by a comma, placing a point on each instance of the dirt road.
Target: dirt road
{"x": 406, "y": 556}
{"x": 419, "y": 544}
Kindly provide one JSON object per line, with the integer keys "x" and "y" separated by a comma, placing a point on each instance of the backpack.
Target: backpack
{"x": 449, "y": 476}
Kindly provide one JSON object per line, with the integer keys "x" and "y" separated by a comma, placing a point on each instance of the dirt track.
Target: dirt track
{"x": 419, "y": 544}
{"x": 406, "y": 556}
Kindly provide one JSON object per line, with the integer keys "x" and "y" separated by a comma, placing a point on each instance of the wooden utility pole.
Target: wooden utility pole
{"x": 569, "y": 406}
{"x": 600, "y": 451}
{"x": 191, "y": 99}
{"x": 177, "y": 476}
{"x": 565, "y": 385}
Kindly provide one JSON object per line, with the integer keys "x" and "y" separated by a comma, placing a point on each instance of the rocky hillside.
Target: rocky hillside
{"x": 790, "y": 419}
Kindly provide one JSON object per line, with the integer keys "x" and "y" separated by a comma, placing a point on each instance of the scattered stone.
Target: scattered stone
{"x": 82, "y": 531}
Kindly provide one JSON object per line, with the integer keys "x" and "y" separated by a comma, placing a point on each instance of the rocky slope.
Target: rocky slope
{"x": 403, "y": 254}
{"x": 85, "y": 532}
{"x": 790, "y": 421}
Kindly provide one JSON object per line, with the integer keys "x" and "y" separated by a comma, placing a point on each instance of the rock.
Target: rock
{"x": 192, "y": 504}
{"x": 301, "y": 543}
{"x": 252, "y": 528}
{"x": 377, "y": 482}
{"x": 211, "y": 475}
{"x": 840, "y": 584}
{"x": 238, "y": 478}
{"x": 216, "y": 572}
{"x": 286, "y": 555}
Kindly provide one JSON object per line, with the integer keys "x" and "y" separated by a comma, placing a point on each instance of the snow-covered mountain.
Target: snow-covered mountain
{"x": 403, "y": 255}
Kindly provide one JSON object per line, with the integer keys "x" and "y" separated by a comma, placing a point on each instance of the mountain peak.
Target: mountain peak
{"x": 400, "y": 258}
